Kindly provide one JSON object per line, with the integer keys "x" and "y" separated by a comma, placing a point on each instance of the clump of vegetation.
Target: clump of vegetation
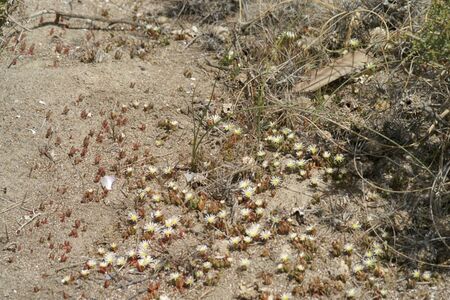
{"x": 206, "y": 11}
{"x": 2, "y": 12}
{"x": 434, "y": 42}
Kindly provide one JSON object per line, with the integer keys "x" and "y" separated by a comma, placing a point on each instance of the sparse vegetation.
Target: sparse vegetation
{"x": 227, "y": 178}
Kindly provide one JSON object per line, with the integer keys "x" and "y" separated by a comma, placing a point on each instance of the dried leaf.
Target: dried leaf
{"x": 350, "y": 63}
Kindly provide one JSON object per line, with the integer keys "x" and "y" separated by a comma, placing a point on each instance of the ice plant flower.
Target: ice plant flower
{"x": 168, "y": 232}
{"x": 339, "y": 158}
{"x": 172, "y": 221}
{"x": 243, "y": 184}
{"x": 253, "y": 230}
{"x": 265, "y": 235}
{"x": 133, "y": 217}
{"x": 313, "y": 149}
{"x": 248, "y": 192}
{"x": 156, "y": 197}
{"x": 110, "y": 258}
{"x": 202, "y": 248}
{"x": 222, "y": 214}
{"x": 245, "y": 263}
{"x": 210, "y": 219}
{"x": 152, "y": 170}
{"x": 275, "y": 181}
{"x": 121, "y": 261}
{"x": 245, "y": 212}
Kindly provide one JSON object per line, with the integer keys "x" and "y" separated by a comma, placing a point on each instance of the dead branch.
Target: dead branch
{"x": 60, "y": 14}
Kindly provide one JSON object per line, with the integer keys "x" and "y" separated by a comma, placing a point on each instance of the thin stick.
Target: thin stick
{"x": 17, "y": 23}
{"x": 28, "y": 222}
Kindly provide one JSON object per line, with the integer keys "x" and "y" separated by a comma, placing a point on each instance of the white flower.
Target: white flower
{"x": 290, "y": 164}
{"x": 265, "y": 235}
{"x": 338, "y": 158}
{"x": 247, "y": 239}
{"x": 210, "y": 219}
{"x": 152, "y": 170}
{"x": 259, "y": 202}
{"x": 416, "y": 274}
{"x": 237, "y": 131}
{"x": 234, "y": 241}
{"x": 259, "y": 211}
{"x": 426, "y": 276}
{"x": 354, "y": 43}
{"x": 326, "y": 155}
{"x": 329, "y": 171}
{"x": 222, "y": 214}
{"x": 286, "y": 296}
{"x": 168, "y": 170}
{"x": 356, "y": 225}
{"x": 277, "y": 140}
{"x": 248, "y": 192}
{"x": 261, "y": 153}
{"x": 275, "y": 181}
{"x": 131, "y": 253}
{"x": 188, "y": 196}
{"x": 145, "y": 261}
{"x": 101, "y": 251}
{"x": 109, "y": 258}
{"x": 121, "y": 261}
{"x": 284, "y": 257}
{"x": 370, "y": 262}
{"x": 202, "y": 248}
{"x": 301, "y": 163}
{"x": 227, "y": 127}
{"x": 189, "y": 280}
{"x": 91, "y": 263}
{"x": 156, "y": 197}
{"x": 133, "y": 217}
{"x": 207, "y": 265}
{"x": 157, "y": 214}
{"x": 348, "y": 248}
{"x": 199, "y": 274}
{"x": 313, "y": 149}
{"x": 245, "y": 212}
{"x": 253, "y": 230}
{"x": 171, "y": 222}
{"x": 151, "y": 227}
{"x": 243, "y": 184}
{"x": 85, "y": 273}
{"x": 174, "y": 276}
{"x": 298, "y": 147}
{"x": 172, "y": 185}
{"x": 143, "y": 249}
{"x": 358, "y": 268}
{"x": 245, "y": 263}
{"x": 214, "y": 119}
{"x": 168, "y": 232}
{"x": 351, "y": 293}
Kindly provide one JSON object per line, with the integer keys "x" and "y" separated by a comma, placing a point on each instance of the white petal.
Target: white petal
{"x": 107, "y": 182}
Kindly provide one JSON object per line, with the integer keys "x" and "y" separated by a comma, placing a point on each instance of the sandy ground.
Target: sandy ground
{"x": 53, "y": 105}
